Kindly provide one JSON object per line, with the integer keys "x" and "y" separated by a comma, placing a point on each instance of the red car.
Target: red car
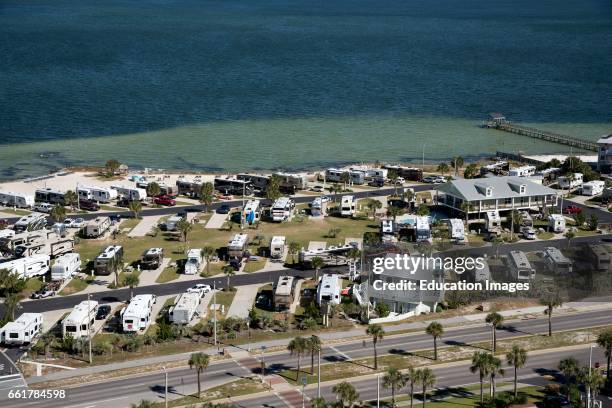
{"x": 572, "y": 209}
{"x": 165, "y": 200}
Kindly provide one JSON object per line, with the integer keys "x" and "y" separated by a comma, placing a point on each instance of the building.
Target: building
{"x": 604, "y": 156}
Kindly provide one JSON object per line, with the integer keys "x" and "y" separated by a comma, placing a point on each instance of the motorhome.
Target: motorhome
{"x": 109, "y": 260}
{"x": 289, "y": 183}
{"x": 28, "y": 267}
{"x": 170, "y": 223}
{"x": 152, "y": 258}
{"x": 498, "y": 168}
{"x": 284, "y": 291}
{"x": 237, "y": 246}
{"x": 375, "y": 173}
{"x": 456, "y": 229}
{"x": 318, "y": 207}
{"x": 422, "y": 229}
{"x": 22, "y": 331}
{"x": 598, "y": 254}
{"x": 49, "y": 195}
{"x": 185, "y": 307}
{"x": 548, "y": 175}
{"x": 332, "y": 255}
{"x": 493, "y": 222}
{"x": 282, "y": 209}
{"x": 354, "y": 176}
{"x": 54, "y": 246}
{"x": 189, "y": 188}
{"x": 575, "y": 181}
{"x": 556, "y": 223}
{"x": 193, "y": 264}
{"x": 524, "y": 171}
{"x": 131, "y": 193}
{"x": 19, "y": 200}
{"x": 227, "y": 185}
{"x": 593, "y": 188}
{"x": 556, "y": 261}
{"x": 519, "y": 266}
{"x": 277, "y": 247}
{"x": 79, "y": 323}
{"x": 31, "y": 222}
{"x": 98, "y": 194}
{"x": 66, "y": 266}
{"x": 328, "y": 290}
{"x": 97, "y": 227}
{"x": 408, "y": 173}
{"x": 258, "y": 181}
{"x": 347, "y": 206}
{"x": 137, "y": 315}
{"x": 251, "y": 212}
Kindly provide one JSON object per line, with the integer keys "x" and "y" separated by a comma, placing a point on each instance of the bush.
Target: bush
{"x": 382, "y": 310}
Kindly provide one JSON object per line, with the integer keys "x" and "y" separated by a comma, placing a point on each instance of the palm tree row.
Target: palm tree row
{"x": 412, "y": 378}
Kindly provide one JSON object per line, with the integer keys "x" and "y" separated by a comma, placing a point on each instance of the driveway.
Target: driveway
{"x": 243, "y": 301}
{"x": 216, "y": 221}
{"x": 148, "y": 277}
{"x": 144, "y": 226}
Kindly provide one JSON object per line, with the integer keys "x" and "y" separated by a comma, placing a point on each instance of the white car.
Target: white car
{"x": 78, "y": 223}
{"x": 200, "y": 288}
{"x": 439, "y": 180}
{"x": 43, "y": 207}
{"x": 528, "y": 233}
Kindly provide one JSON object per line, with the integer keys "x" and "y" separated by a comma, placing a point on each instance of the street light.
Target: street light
{"x": 165, "y": 387}
{"x": 590, "y": 365}
{"x": 378, "y": 390}
{"x": 263, "y": 364}
{"x": 89, "y": 326}
{"x": 319, "y": 373}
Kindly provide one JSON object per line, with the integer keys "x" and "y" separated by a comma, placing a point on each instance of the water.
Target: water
{"x": 237, "y": 85}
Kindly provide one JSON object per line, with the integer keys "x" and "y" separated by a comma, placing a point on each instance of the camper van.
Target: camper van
{"x": 109, "y": 260}
{"x": 284, "y": 291}
{"x": 556, "y": 222}
{"x": 277, "y": 247}
{"x": 258, "y": 181}
{"x": 519, "y": 266}
{"x": 457, "y": 230}
{"x": 23, "y": 330}
{"x": 328, "y": 290}
{"x": 49, "y": 195}
{"x": 556, "y": 261}
{"x": 152, "y": 258}
{"x": 31, "y": 222}
{"x": 19, "y": 200}
{"x": 193, "y": 265}
{"x": 79, "y": 322}
{"x": 97, "y": 227}
{"x": 289, "y": 183}
{"x": 237, "y": 246}
{"x": 66, "y": 266}
{"x": 137, "y": 315}
{"x": 53, "y": 246}
{"x": 318, "y": 207}
{"x": 347, "y": 206}
{"x": 28, "y": 267}
{"x": 282, "y": 209}
{"x": 185, "y": 308}
{"x": 493, "y": 222}
{"x": 131, "y": 193}
{"x": 354, "y": 176}
{"x": 593, "y": 188}
{"x": 251, "y": 212}
{"x": 565, "y": 183}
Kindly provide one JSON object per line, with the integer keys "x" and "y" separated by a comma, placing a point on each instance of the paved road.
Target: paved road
{"x": 121, "y": 392}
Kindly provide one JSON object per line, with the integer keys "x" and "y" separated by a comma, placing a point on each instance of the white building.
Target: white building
{"x": 137, "y": 315}
{"x": 23, "y": 330}
{"x": 80, "y": 320}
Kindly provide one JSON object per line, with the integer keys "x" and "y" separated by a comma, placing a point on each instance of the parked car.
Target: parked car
{"x": 431, "y": 179}
{"x": 224, "y": 209}
{"x": 528, "y": 233}
{"x": 78, "y": 223}
{"x": 88, "y": 205}
{"x": 572, "y": 209}
{"x": 200, "y": 288}
{"x": 317, "y": 189}
{"x": 439, "y": 180}
{"x": 377, "y": 182}
{"x": 43, "y": 207}
{"x": 43, "y": 293}
{"x": 103, "y": 312}
{"x": 165, "y": 200}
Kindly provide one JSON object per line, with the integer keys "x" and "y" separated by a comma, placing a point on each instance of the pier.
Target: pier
{"x": 499, "y": 122}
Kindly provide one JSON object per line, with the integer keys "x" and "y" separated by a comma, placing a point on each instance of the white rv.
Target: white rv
{"x": 94, "y": 193}
{"x": 328, "y": 290}
{"x": 31, "y": 222}
{"x": 109, "y": 260}
{"x": 185, "y": 308}
{"x": 79, "y": 322}
{"x": 277, "y": 247}
{"x": 49, "y": 195}
{"x": 170, "y": 223}
{"x": 137, "y": 315}
{"x": 524, "y": 171}
{"x": 251, "y": 212}
{"x": 457, "y": 230}
{"x": 97, "y": 227}
{"x": 237, "y": 246}
{"x": 66, "y": 266}
{"x": 493, "y": 221}
{"x": 282, "y": 209}
{"x": 332, "y": 255}
{"x": 556, "y": 261}
{"x": 347, "y": 206}
{"x": 20, "y": 200}
{"x": 28, "y": 267}
{"x": 318, "y": 207}
{"x": 53, "y": 246}
{"x": 593, "y": 188}
{"x": 422, "y": 229}
{"x": 193, "y": 265}
{"x": 131, "y": 193}
{"x": 519, "y": 265}
{"x": 564, "y": 182}
{"x": 335, "y": 175}
{"x": 23, "y": 330}
{"x": 556, "y": 222}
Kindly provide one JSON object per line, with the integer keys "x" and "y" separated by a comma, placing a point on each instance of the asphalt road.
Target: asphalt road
{"x": 122, "y": 392}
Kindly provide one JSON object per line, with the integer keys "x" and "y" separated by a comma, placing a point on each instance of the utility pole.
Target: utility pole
{"x": 242, "y": 211}
{"x": 165, "y": 387}
{"x": 215, "y": 314}
{"x": 263, "y": 364}
{"x": 89, "y": 326}
{"x": 319, "y": 373}
{"x": 590, "y": 365}
{"x": 378, "y": 390}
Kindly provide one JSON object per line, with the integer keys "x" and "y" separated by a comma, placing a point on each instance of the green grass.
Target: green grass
{"x": 254, "y": 266}
{"x": 122, "y": 276}
{"x": 76, "y": 285}
{"x": 534, "y": 394}
{"x": 104, "y": 207}
{"x": 546, "y": 235}
{"x": 168, "y": 275}
{"x": 225, "y": 299}
{"x": 31, "y": 286}
{"x": 17, "y": 211}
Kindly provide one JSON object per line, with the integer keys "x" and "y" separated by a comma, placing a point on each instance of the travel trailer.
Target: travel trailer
{"x": 53, "y": 246}
{"x": 79, "y": 323}
{"x": 318, "y": 207}
{"x": 109, "y": 260}
{"x": 456, "y": 229}
{"x": 28, "y": 267}
{"x": 599, "y": 256}
{"x": 332, "y": 255}
{"x": 185, "y": 308}
{"x": 408, "y": 173}
{"x": 524, "y": 171}
{"x": 347, "y": 206}
{"x": 19, "y": 200}
{"x": 193, "y": 265}
{"x": 556, "y": 222}
{"x": 493, "y": 222}
{"x": 565, "y": 183}
{"x": 388, "y": 230}
{"x": 289, "y": 183}
{"x": 66, "y": 266}
{"x": 328, "y": 290}
{"x": 237, "y": 246}
{"x": 31, "y": 222}
{"x": 556, "y": 261}
{"x": 22, "y": 331}
{"x": 152, "y": 258}
{"x": 227, "y": 185}
{"x": 422, "y": 229}
{"x": 97, "y": 227}
{"x": 354, "y": 176}
{"x": 282, "y": 209}
{"x": 519, "y": 266}
{"x": 593, "y": 188}
{"x": 9, "y": 240}
{"x": 284, "y": 291}
{"x": 251, "y": 213}
{"x": 131, "y": 193}
{"x": 48, "y": 195}
{"x": 137, "y": 315}
{"x": 277, "y": 247}
{"x": 498, "y": 168}
{"x": 99, "y": 194}
{"x": 170, "y": 223}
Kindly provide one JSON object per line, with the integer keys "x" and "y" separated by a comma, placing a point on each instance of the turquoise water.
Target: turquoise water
{"x": 237, "y": 85}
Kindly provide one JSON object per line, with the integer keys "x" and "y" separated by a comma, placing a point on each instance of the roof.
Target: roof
{"x": 187, "y": 301}
{"x": 22, "y": 321}
{"x": 519, "y": 259}
{"x": 251, "y": 205}
{"x": 502, "y": 187}
{"x": 284, "y": 285}
{"x": 238, "y": 240}
{"x": 422, "y": 222}
{"x": 556, "y": 256}
{"x": 138, "y": 306}
{"x": 109, "y": 252}
{"x": 348, "y": 198}
{"x": 281, "y": 202}
{"x": 154, "y": 251}
{"x": 278, "y": 240}
{"x": 329, "y": 284}
{"x": 80, "y": 311}
{"x": 456, "y": 223}
{"x": 605, "y": 139}
{"x": 556, "y": 217}
{"x": 194, "y": 253}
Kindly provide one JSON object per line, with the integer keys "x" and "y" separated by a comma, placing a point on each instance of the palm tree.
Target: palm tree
{"x": 184, "y": 227}
{"x": 273, "y": 187}
{"x": 393, "y": 212}
{"x": 443, "y": 168}
{"x": 377, "y": 333}
{"x": 516, "y": 358}
{"x": 495, "y": 368}
{"x": 411, "y": 380}
{"x": 313, "y": 344}
{"x": 426, "y": 379}
{"x": 569, "y": 235}
{"x": 435, "y": 330}
{"x": 143, "y": 404}
{"x": 373, "y": 205}
{"x": 318, "y": 402}
{"x": 497, "y": 242}
{"x": 297, "y": 347}
{"x": 480, "y": 365}
{"x": 393, "y": 379}
{"x": 551, "y": 300}
{"x": 294, "y": 248}
{"x": 207, "y": 253}
{"x": 71, "y": 198}
{"x": 131, "y": 280}
{"x": 569, "y": 368}
{"x": 135, "y": 207}
{"x": 466, "y": 207}
{"x": 457, "y": 163}
{"x": 199, "y": 361}
{"x": 592, "y": 380}
{"x": 604, "y": 340}
{"x": 494, "y": 319}
{"x": 12, "y": 304}
{"x": 393, "y": 176}
{"x": 58, "y": 213}
{"x": 346, "y": 394}
{"x": 207, "y": 195}
{"x": 345, "y": 178}
{"x": 153, "y": 189}
{"x": 317, "y": 263}
{"x": 228, "y": 271}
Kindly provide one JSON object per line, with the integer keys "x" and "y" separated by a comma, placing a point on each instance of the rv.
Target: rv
{"x": 318, "y": 207}
{"x": 422, "y": 229}
{"x": 10, "y": 240}
{"x": 137, "y": 315}
{"x": 99, "y": 194}
{"x": 347, "y": 206}
{"x": 388, "y": 229}
{"x": 48, "y": 195}
{"x": 185, "y": 308}
{"x": 282, "y": 209}
{"x": 408, "y": 173}
{"x": 152, "y": 258}
{"x": 519, "y": 266}
{"x": 193, "y": 265}
{"x": 28, "y": 267}
{"x": 97, "y": 227}
{"x": 79, "y": 322}
{"x": 65, "y": 267}
{"x": 109, "y": 260}
{"x": 31, "y": 222}
{"x": 493, "y": 222}
{"x": 598, "y": 254}
{"x": 19, "y": 200}
{"x": 258, "y": 181}
{"x": 237, "y": 246}
{"x": 354, "y": 176}
{"x": 328, "y": 290}
{"x": 593, "y": 188}
{"x": 564, "y": 182}
{"x": 499, "y": 168}
{"x": 189, "y": 188}
{"x": 53, "y": 246}
{"x": 277, "y": 247}
{"x": 227, "y": 185}
{"x": 131, "y": 193}
{"x": 457, "y": 230}
{"x": 23, "y": 330}
{"x": 170, "y": 223}
{"x": 524, "y": 171}
{"x": 251, "y": 213}
{"x": 284, "y": 291}
{"x": 556, "y": 261}
{"x": 332, "y": 255}
{"x": 556, "y": 222}
{"x": 289, "y": 183}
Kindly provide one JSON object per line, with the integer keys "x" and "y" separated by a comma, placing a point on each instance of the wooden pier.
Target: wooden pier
{"x": 498, "y": 121}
